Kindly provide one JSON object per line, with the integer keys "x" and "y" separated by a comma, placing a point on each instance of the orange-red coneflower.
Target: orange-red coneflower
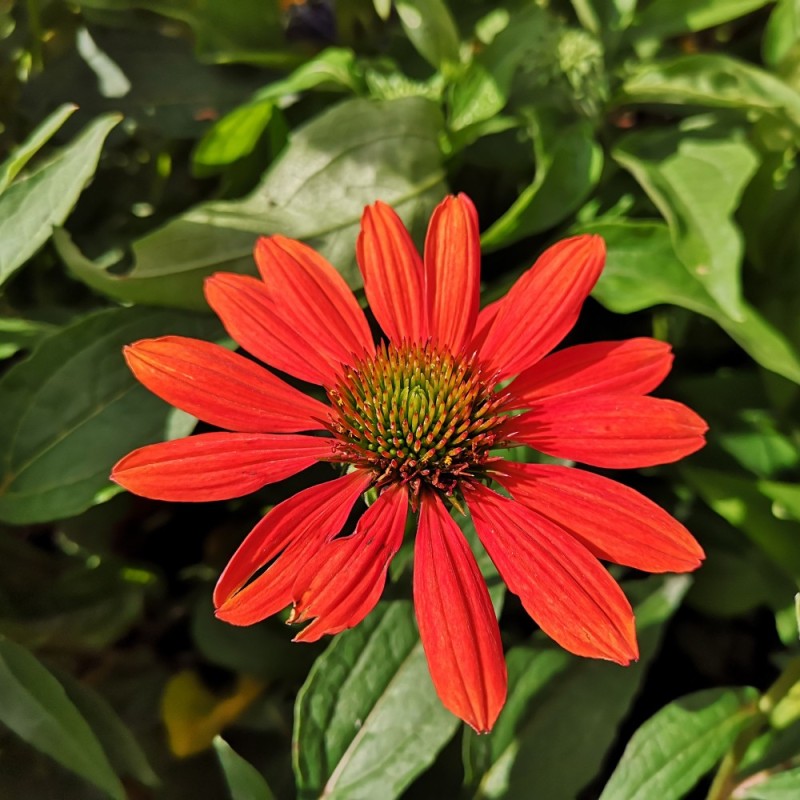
{"x": 416, "y": 418}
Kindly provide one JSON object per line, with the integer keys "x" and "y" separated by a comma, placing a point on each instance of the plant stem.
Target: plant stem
{"x": 725, "y": 780}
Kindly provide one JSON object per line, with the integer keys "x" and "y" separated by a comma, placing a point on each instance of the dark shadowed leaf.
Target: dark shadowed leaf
{"x": 33, "y": 205}
{"x": 34, "y": 705}
{"x": 73, "y": 408}
{"x": 563, "y": 712}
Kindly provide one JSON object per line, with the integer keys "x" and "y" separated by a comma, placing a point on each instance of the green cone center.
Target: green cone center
{"x": 416, "y": 415}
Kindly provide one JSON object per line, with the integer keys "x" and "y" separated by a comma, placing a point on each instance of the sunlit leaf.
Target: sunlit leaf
{"x": 679, "y": 744}
{"x": 245, "y": 782}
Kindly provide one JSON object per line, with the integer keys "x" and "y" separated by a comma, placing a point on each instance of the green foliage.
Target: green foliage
{"x": 146, "y": 144}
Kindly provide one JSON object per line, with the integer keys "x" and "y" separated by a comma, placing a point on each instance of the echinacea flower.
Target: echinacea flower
{"x": 416, "y": 419}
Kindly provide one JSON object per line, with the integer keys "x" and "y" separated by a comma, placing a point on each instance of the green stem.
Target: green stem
{"x": 35, "y": 25}
{"x": 725, "y": 780}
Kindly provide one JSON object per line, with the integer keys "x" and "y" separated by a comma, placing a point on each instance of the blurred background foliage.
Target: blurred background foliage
{"x": 146, "y": 143}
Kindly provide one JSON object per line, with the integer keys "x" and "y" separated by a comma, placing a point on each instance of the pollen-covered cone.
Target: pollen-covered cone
{"x": 415, "y": 418}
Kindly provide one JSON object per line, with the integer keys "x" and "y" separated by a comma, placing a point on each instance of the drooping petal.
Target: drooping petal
{"x": 452, "y": 272}
{"x": 217, "y": 466}
{"x": 634, "y": 366}
{"x": 343, "y": 580}
{"x": 312, "y": 299}
{"x": 393, "y": 275}
{"x": 457, "y": 625}
{"x": 613, "y": 521}
{"x": 248, "y": 313}
{"x": 615, "y": 431}
{"x": 561, "y": 585}
{"x": 543, "y": 305}
{"x": 307, "y": 519}
{"x": 222, "y": 388}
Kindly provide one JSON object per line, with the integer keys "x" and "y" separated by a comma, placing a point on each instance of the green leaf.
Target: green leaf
{"x": 32, "y": 206}
{"x": 680, "y": 744}
{"x": 785, "y": 498}
{"x": 563, "y": 712}
{"x": 21, "y": 155}
{"x": 124, "y": 752}
{"x": 740, "y": 502}
{"x": 34, "y": 705}
{"x": 21, "y": 334}
{"x": 642, "y": 270}
{"x": 696, "y": 179}
{"x": 662, "y": 19}
{"x": 344, "y": 159}
{"x": 244, "y": 780}
{"x": 367, "y": 720}
{"x": 431, "y": 28}
{"x": 781, "y": 786}
{"x": 714, "y": 81}
{"x": 73, "y": 408}
{"x": 782, "y": 32}
{"x": 568, "y": 165}
{"x": 235, "y": 135}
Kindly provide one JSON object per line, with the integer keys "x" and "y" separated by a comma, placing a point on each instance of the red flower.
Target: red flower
{"x": 417, "y": 418}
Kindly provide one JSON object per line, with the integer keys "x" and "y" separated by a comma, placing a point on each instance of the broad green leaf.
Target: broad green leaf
{"x": 680, "y": 744}
{"x": 782, "y": 32}
{"x": 739, "y": 501}
{"x": 563, "y": 712}
{"x": 73, "y": 408}
{"x": 696, "y": 179}
{"x": 244, "y": 781}
{"x": 779, "y": 786}
{"x": 32, "y": 206}
{"x": 345, "y": 158}
{"x": 713, "y": 80}
{"x": 431, "y": 28}
{"x": 642, "y": 270}
{"x": 662, "y": 19}
{"x": 34, "y": 705}
{"x": 367, "y": 720}
{"x": 21, "y": 155}
{"x": 568, "y": 165}
{"x": 124, "y": 752}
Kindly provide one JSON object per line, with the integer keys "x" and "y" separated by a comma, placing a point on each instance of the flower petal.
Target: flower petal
{"x": 217, "y": 466}
{"x": 456, "y": 620}
{"x": 611, "y": 520}
{"x": 312, "y": 299}
{"x": 543, "y": 305}
{"x": 452, "y": 272}
{"x": 344, "y": 579}
{"x": 634, "y": 366}
{"x": 311, "y": 516}
{"x": 222, "y": 388}
{"x": 393, "y": 275}
{"x": 561, "y": 585}
{"x": 616, "y": 431}
{"x": 248, "y": 313}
